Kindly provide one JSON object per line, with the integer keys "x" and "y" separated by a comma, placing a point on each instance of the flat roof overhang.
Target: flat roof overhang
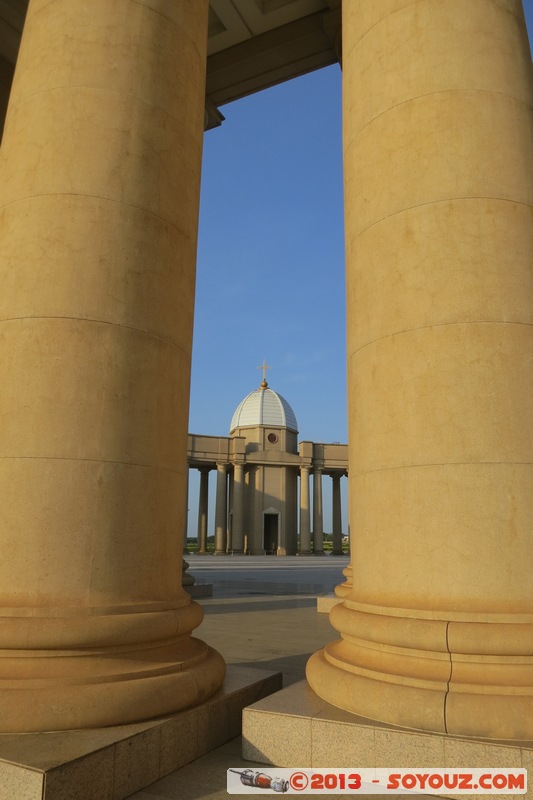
{"x": 252, "y": 45}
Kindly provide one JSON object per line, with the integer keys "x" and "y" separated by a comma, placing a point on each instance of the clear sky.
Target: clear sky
{"x": 270, "y": 274}
{"x": 271, "y": 258}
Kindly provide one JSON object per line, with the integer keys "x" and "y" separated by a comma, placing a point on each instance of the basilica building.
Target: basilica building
{"x": 263, "y": 498}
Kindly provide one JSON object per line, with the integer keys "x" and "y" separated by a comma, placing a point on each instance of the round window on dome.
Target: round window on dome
{"x": 272, "y": 438}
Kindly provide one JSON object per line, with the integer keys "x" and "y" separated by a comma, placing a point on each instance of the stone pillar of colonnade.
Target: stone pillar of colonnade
{"x": 318, "y": 520}
{"x": 97, "y": 269}
{"x": 237, "y": 542}
{"x": 305, "y": 513}
{"x": 342, "y": 589}
{"x": 438, "y": 136}
{"x": 203, "y": 509}
{"x": 336, "y": 514}
{"x": 186, "y": 513}
{"x": 221, "y": 510}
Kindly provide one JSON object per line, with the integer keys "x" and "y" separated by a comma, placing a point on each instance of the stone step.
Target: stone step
{"x": 296, "y": 728}
{"x": 113, "y": 763}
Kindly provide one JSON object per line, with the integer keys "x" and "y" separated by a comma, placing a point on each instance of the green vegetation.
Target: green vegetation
{"x": 192, "y": 544}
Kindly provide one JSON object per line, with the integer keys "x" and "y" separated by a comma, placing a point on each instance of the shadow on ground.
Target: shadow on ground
{"x": 245, "y": 604}
{"x": 291, "y": 667}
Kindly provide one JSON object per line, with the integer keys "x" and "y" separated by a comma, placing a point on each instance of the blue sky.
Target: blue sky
{"x": 270, "y": 273}
{"x": 270, "y": 280}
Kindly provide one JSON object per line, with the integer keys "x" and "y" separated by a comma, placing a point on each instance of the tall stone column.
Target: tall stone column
{"x": 100, "y": 173}
{"x": 221, "y": 510}
{"x": 305, "y": 513}
{"x": 438, "y": 125}
{"x": 318, "y": 519}
{"x": 203, "y": 509}
{"x": 229, "y": 517}
{"x": 336, "y": 514}
{"x": 186, "y": 513}
{"x": 238, "y": 508}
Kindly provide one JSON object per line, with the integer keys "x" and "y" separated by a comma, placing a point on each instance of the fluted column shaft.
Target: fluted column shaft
{"x": 97, "y": 268}
{"x": 438, "y": 121}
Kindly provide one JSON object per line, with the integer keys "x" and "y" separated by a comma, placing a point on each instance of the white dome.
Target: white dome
{"x": 264, "y": 407}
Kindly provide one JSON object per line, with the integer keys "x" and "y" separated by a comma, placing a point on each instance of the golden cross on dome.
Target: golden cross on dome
{"x": 264, "y": 367}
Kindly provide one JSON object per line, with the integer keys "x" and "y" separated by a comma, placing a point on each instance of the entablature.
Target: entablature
{"x": 252, "y": 44}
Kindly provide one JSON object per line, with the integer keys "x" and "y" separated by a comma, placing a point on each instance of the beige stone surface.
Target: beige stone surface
{"x": 485, "y": 507}
{"x": 23, "y": 784}
{"x": 105, "y": 573}
{"x": 442, "y": 382}
{"x": 283, "y": 740}
{"x": 136, "y": 248}
{"x": 399, "y": 747}
{"x": 470, "y": 284}
{"x": 179, "y": 742}
{"x": 77, "y": 780}
{"x": 342, "y": 589}
{"x": 100, "y": 167}
{"x": 273, "y": 735}
{"x": 344, "y": 739}
{"x": 136, "y": 762}
{"x": 484, "y": 53}
{"x": 339, "y": 743}
{"x": 325, "y": 603}
{"x": 478, "y": 754}
{"x": 437, "y": 628}
{"x": 527, "y": 759}
{"x": 112, "y": 763}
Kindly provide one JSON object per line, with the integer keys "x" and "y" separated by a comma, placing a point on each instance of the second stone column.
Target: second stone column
{"x": 438, "y": 139}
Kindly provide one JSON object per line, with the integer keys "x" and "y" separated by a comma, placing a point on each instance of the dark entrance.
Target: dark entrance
{"x": 270, "y": 536}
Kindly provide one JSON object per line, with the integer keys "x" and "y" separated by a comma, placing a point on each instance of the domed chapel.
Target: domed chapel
{"x": 263, "y": 502}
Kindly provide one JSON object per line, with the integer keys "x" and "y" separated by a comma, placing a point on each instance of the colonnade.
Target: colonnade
{"x": 312, "y": 539}
{"x": 229, "y": 532}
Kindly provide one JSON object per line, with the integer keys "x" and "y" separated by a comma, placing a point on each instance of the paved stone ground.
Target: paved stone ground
{"x": 262, "y": 614}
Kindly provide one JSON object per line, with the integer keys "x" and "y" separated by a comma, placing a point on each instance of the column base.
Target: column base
{"x": 325, "y": 602}
{"x": 73, "y": 691}
{"x": 458, "y": 676}
{"x": 97, "y": 669}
